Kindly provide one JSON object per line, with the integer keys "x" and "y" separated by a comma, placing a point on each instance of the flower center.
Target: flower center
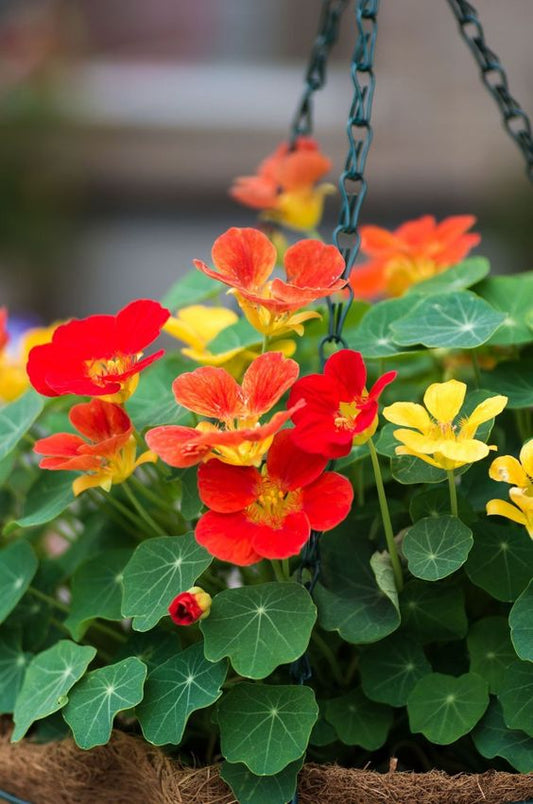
{"x": 98, "y": 370}
{"x": 273, "y": 504}
{"x": 349, "y": 411}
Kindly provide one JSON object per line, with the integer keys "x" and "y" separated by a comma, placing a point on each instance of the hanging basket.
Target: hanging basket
{"x": 129, "y": 771}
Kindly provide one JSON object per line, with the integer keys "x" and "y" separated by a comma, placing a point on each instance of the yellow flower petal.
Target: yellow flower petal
{"x": 523, "y": 499}
{"x": 484, "y": 412}
{"x": 91, "y": 481}
{"x": 445, "y": 399}
{"x": 198, "y": 324}
{"x": 467, "y": 451}
{"x": 408, "y": 414}
{"x": 509, "y": 470}
{"x": 425, "y": 458}
{"x": 418, "y": 442}
{"x": 502, "y": 508}
{"x": 526, "y": 458}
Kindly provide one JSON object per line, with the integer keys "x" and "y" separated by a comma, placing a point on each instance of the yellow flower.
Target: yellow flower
{"x": 14, "y": 380}
{"x": 271, "y": 322}
{"x": 436, "y": 438}
{"x": 199, "y": 324}
{"x": 520, "y": 474}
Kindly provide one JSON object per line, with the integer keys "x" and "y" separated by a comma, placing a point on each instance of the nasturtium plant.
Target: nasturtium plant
{"x": 281, "y": 541}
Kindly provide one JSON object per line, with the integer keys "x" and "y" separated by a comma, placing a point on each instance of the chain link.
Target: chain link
{"x": 315, "y": 76}
{"x": 352, "y": 183}
{"x": 515, "y": 120}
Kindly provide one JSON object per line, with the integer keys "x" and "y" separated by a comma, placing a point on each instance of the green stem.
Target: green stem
{"x": 385, "y": 516}
{"x": 329, "y": 656}
{"x": 143, "y": 513}
{"x": 148, "y": 493}
{"x": 453, "y": 493}
{"x": 264, "y": 345}
{"x": 57, "y": 604}
{"x": 360, "y": 483}
{"x": 278, "y": 570}
{"x": 286, "y": 568}
{"x": 475, "y": 366}
{"x": 105, "y": 629}
{"x": 123, "y": 510}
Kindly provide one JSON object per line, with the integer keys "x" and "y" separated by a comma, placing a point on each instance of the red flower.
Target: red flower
{"x": 416, "y": 250}
{"x": 213, "y": 392}
{"x": 338, "y": 410}
{"x": 284, "y": 185}
{"x": 107, "y": 454}
{"x": 244, "y": 259}
{"x": 191, "y": 606}
{"x": 4, "y": 337}
{"x": 98, "y": 355}
{"x": 269, "y": 514}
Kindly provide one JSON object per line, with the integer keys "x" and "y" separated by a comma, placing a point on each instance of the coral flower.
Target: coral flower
{"x": 284, "y": 186}
{"x": 212, "y": 392}
{"x": 270, "y": 513}
{"x": 107, "y": 454}
{"x": 437, "y": 437}
{"x": 99, "y": 355}
{"x": 14, "y": 352}
{"x": 413, "y": 252}
{"x": 338, "y": 410}
{"x": 199, "y": 324}
{"x": 520, "y": 475}
{"x": 244, "y": 259}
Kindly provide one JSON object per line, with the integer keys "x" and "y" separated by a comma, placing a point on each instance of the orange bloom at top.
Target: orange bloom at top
{"x": 238, "y": 438}
{"x": 417, "y": 250}
{"x": 245, "y": 259}
{"x": 285, "y": 185}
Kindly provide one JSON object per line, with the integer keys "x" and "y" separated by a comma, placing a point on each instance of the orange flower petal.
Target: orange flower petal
{"x": 209, "y": 391}
{"x": 310, "y": 264}
{"x": 244, "y": 257}
{"x": 266, "y": 380}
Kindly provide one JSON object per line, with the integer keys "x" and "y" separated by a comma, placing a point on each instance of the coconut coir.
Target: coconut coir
{"x": 128, "y": 771}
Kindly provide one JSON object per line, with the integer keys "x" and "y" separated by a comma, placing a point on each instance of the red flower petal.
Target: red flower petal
{"x": 302, "y": 168}
{"x": 209, "y": 391}
{"x": 228, "y": 537}
{"x": 327, "y": 501}
{"x": 178, "y": 446}
{"x": 257, "y": 192}
{"x": 244, "y": 258}
{"x": 266, "y": 380}
{"x": 348, "y": 370}
{"x": 368, "y": 280}
{"x": 381, "y": 383}
{"x": 60, "y": 445}
{"x": 139, "y": 324}
{"x": 227, "y": 489}
{"x": 282, "y": 542}
{"x": 79, "y": 463}
{"x": 312, "y": 264}
{"x": 98, "y": 420}
{"x": 376, "y": 242}
{"x": 290, "y": 465}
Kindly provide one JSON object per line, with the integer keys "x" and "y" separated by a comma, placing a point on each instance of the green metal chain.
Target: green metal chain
{"x": 315, "y": 76}
{"x": 352, "y": 183}
{"x": 515, "y": 120}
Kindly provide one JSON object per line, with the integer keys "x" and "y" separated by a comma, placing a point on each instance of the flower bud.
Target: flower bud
{"x": 190, "y": 606}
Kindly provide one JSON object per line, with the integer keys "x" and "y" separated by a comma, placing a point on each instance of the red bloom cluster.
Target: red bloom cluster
{"x": 98, "y": 355}
{"x": 270, "y": 513}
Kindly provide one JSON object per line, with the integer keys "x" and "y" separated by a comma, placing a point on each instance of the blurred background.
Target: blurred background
{"x": 123, "y": 123}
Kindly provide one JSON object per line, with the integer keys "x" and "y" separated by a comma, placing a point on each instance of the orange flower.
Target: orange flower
{"x": 285, "y": 185}
{"x": 415, "y": 251}
{"x": 238, "y": 438}
{"x": 244, "y": 259}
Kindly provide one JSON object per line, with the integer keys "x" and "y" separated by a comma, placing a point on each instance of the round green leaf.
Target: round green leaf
{"x": 159, "y": 570}
{"x": 18, "y": 565}
{"x": 254, "y": 627}
{"x": 512, "y": 295}
{"x": 359, "y": 721}
{"x": 436, "y": 502}
{"x": 444, "y": 708}
{"x": 501, "y": 559}
{"x": 239, "y": 335}
{"x": 17, "y": 418}
{"x": 433, "y": 612}
{"x": 349, "y": 598}
{"x": 192, "y": 288}
{"x": 265, "y": 726}
{"x": 97, "y": 591}
{"x": 459, "y": 320}
{"x": 174, "y": 690}
{"x": 436, "y": 546}
{"x": 151, "y": 647}
{"x": 460, "y": 276}
{"x": 521, "y": 622}
{"x": 154, "y": 403}
{"x": 490, "y": 649}
{"x": 99, "y": 696}
{"x": 492, "y": 739}
{"x": 191, "y": 504}
{"x": 49, "y": 496}
{"x": 409, "y": 469}
{"x": 390, "y": 669}
{"x": 49, "y": 677}
{"x": 252, "y": 789}
{"x": 323, "y": 732}
{"x": 516, "y": 696}
{"x": 13, "y": 663}
{"x": 514, "y": 379}
{"x": 373, "y": 337}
